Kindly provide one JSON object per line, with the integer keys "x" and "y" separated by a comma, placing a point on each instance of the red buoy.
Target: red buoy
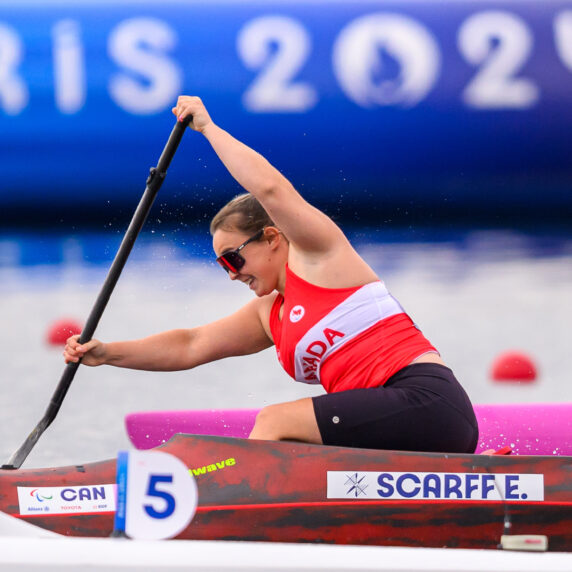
{"x": 514, "y": 366}
{"x": 61, "y": 330}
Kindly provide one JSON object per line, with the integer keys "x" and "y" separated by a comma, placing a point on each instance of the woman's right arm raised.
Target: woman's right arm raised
{"x": 240, "y": 333}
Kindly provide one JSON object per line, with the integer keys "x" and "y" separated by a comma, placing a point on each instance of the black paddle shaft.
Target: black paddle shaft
{"x": 154, "y": 182}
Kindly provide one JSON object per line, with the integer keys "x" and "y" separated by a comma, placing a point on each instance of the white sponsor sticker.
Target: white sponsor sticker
{"x": 361, "y": 485}
{"x": 66, "y": 500}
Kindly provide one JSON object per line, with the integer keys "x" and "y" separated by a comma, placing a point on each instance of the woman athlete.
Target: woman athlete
{"x": 330, "y": 317}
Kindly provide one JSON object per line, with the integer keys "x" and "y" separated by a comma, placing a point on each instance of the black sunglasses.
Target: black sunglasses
{"x": 232, "y": 260}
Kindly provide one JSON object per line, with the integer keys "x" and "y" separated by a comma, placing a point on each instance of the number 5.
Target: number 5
{"x": 152, "y": 491}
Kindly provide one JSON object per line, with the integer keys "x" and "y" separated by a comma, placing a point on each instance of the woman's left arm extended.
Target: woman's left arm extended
{"x": 306, "y": 227}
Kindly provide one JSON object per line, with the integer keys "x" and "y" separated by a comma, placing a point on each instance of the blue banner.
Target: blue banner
{"x": 365, "y": 105}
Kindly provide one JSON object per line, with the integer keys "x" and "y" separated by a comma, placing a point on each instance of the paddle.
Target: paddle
{"x": 154, "y": 182}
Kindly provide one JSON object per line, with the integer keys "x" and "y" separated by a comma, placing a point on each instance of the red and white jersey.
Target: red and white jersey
{"x": 343, "y": 338}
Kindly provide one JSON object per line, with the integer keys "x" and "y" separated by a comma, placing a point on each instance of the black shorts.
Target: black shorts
{"x": 420, "y": 408}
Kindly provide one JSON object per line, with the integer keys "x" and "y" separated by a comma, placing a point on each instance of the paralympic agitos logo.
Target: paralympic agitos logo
{"x": 40, "y": 497}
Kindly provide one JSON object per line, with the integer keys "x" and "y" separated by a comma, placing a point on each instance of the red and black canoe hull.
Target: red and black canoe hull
{"x": 267, "y": 491}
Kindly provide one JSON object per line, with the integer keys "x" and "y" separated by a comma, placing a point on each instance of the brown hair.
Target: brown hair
{"x": 243, "y": 213}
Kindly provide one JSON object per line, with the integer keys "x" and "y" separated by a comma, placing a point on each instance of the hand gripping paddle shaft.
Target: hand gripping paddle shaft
{"x": 154, "y": 182}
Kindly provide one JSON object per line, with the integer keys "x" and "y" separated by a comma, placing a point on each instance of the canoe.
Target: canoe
{"x": 526, "y": 428}
{"x": 295, "y": 492}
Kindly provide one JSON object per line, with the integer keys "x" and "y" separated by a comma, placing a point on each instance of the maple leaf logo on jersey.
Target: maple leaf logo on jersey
{"x": 297, "y": 313}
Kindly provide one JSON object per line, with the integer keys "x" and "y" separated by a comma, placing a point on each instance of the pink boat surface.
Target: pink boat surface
{"x": 525, "y": 428}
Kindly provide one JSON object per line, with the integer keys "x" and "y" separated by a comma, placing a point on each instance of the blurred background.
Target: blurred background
{"x": 436, "y": 133}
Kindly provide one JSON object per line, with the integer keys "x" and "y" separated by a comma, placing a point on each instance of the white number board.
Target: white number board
{"x": 156, "y": 495}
